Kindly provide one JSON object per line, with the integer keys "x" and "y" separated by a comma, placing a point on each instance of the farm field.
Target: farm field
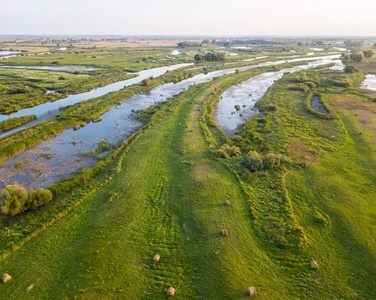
{"x": 299, "y": 181}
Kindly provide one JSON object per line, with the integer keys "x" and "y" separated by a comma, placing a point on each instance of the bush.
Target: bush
{"x": 351, "y": 69}
{"x": 63, "y": 77}
{"x": 227, "y": 151}
{"x": 357, "y": 57}
{"x": 272, "y": 160}
{"x": 2, "y": 88}
{"x": 14, "y": 198}
{"x": 38, "y": 197}
{"x": 253, "y": 161}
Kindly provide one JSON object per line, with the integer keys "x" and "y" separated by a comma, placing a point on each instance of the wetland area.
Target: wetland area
{"x": 210, "y": 167}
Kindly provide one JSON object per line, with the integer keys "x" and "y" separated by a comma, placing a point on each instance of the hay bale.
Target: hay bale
{"x": 188, "y": 239}
{"x": 314, "y": 264}
{"x": 228, "y": 203}
{"x": 179, "y": 124}
{"x": 156, "y": 258}
{"x": 6, "y": 277}
{"x": 170, "y": 291}
{"x": 224, "y": 232}
{"x": 251, "y": 291}
{"x": 29, "y": 288}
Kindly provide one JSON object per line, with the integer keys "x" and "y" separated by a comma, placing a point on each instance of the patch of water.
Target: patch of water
{"x": 340, "y": 49}
{"x": 53, "y": 68}
{"x": 369, "y": 82}
{"x": 8, "y": 52}
{"x": 49, "y": 110}
{"x": 317, "y": 105}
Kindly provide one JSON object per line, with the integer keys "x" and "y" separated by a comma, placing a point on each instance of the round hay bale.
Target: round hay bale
{"x": 251, "y": 291}
{"x": 156, "y": 258}
{"x": 170, "y": 291}
{"x": 314, "y": 264}
{"x": 6, "y": 277}
{"x": 179, "y": 124}
{"x": 188, "y": 239}
{"x": 228, "y": 203}
{"x": 224, "y": 232}
{"x": 29, "y": 288}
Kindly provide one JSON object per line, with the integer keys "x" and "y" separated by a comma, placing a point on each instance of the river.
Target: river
{"x": 117, "y": 124}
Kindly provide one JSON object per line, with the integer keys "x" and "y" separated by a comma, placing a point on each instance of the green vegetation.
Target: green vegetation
{"x": 301, "y": 186}
{"x": 210, "y": 57}
{"x": 15, "y": 199}
{"x": 15, "y": 122}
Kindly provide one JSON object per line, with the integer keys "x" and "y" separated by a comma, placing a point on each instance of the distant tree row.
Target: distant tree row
{"x": 358, "y": 56}
{"x": 210, "y": 57}
{"x": 189, "y": 44}
{"x": 350, "y": 43}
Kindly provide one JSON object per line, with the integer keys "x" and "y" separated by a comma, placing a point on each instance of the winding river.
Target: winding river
{"x": 118, "y": 124}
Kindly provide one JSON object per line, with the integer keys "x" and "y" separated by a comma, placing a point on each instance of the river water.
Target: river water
{"x": 49, "y": 110}
{"x": 117, "y": 124}
{"x": 369, "y": 82}
{"x": 252, "y": 90}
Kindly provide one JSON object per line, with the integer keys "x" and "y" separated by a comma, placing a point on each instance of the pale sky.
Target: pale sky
{"x": 189, "y": 17}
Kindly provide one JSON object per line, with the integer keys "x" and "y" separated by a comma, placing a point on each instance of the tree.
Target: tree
{"x": 350, "y": 69}
{"x": 368, "y": 53}
{"x": 198, "y": 57}
{"x": 38, "y": 197}
{"x": 374, "y": 45}
{"x": 13, "y": 198}
{"x": 357, "y": 57}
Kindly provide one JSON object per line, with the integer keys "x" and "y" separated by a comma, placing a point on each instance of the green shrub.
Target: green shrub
{"x": 237, "y": 107}
{"x": 19, "y": 164}
{"x": 13, "y": 198}
{"x": 38, "y": 197}
{"x": 253, "y": 161}
{"x": 63, "y": 77}
{"x": 351, "y": 69}
{"x": 272, "y": 160}
{"x": 227, "y": 151}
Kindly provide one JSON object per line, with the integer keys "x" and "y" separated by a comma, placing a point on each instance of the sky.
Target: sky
{"x": 189, "y": 17}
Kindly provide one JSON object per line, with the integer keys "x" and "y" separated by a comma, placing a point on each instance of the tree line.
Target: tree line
{"x": 210, "y": 57}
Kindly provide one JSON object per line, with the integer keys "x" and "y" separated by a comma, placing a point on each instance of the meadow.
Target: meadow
{"x": 307, "y": 194}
